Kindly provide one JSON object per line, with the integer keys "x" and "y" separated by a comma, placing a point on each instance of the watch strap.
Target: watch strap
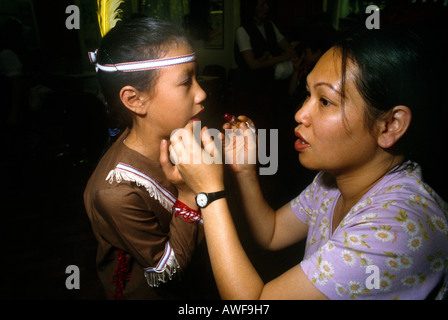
{"x": 212, "y": 196}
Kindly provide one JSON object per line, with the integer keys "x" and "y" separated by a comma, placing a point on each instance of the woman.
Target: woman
{"x": 259, "y": 44}
{"x": 367, "y": 208}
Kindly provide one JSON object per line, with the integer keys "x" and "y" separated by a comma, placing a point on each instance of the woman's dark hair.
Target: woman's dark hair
{"x": 137, "y": 40}
{"x": 247, "y": 10}
{"x": 392, "y": 70}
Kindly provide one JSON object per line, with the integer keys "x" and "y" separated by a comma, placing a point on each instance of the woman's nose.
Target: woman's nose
{"x": 302, "y": 116}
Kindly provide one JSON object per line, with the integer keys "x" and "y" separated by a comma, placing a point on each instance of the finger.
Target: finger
{"x": 208, "y": 142}
{"x": 245, "y": 119}
{"x": 164, "y": 156}
{"x": 173, "y": 156}
{"x": 168, "y": 169}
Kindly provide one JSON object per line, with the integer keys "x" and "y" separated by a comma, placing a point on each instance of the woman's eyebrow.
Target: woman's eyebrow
{"x": 327, "y": 85}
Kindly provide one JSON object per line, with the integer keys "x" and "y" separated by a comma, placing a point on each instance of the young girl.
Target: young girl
{"x": 373, "y": 228}
{"x": 147, "y": 72}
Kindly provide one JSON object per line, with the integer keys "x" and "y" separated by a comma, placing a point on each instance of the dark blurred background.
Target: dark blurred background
{"x": 55, "y": 125}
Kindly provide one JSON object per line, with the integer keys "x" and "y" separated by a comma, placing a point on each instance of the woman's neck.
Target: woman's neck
{"x": 355, "y": 184}
{"x": 258, "y": 21}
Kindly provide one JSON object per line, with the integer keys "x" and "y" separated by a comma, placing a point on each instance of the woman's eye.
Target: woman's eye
{"x": 324, "y": 102}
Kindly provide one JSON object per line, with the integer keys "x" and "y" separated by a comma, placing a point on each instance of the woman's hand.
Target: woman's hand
{"x": 240, "y": 146}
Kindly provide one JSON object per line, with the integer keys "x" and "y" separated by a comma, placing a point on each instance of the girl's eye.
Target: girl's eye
{"x": 187, "y": 83}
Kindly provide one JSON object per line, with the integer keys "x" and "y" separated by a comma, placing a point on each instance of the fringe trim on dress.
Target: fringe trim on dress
{"x": 156, "y": 191}
{"x": 165, "y": 270}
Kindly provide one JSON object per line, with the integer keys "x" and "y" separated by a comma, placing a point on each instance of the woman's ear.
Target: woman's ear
{"x": 393, "y": 126}
{"x": 134, "y": 100}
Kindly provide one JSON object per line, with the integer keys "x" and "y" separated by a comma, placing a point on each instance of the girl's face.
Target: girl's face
{"x": 329, "y": 139}
{"x": 177, "y": 97}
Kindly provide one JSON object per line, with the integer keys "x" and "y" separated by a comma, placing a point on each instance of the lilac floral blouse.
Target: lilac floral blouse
{"x": 393, "y": 244}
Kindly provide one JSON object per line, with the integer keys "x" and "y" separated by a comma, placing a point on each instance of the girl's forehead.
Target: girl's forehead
{"x": 178, "y": 49}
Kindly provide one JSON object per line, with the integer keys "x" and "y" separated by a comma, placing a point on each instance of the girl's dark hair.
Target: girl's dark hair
{"x": 136, "y": 40}
{"x": 392, "y": 70}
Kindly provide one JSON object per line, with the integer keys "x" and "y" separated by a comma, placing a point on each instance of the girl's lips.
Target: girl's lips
{"x": 196, "y": 116}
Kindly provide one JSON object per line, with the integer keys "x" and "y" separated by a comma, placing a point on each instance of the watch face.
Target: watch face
{"x": 201, "y": 200}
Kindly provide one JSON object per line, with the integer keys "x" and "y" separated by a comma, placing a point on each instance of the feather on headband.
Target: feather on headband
{"x": 108, "y": 14}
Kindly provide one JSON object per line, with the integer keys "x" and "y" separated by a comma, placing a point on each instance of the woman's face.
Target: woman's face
{"x": 261, "y": 10}
{"x": 177, "y": 97}
{"x": 329, "y": 139}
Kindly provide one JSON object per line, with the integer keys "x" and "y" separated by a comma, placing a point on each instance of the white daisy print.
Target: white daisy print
{"x": 393, "y": 264}
{"x": 354, "y": 239}
{"x": 329, "y": 246}
{"x": 327, "y": 269}
{"x": 355, "y": 287}
{"x": 383, "y": 235}
{"x": 368, "y": 217}
{"x": 348, "y": 257}
{"x": 320, "y": 279}
{"x": 410, "y": 227}
{"x": 405, "y": 261}
{"x": 410, "y": 281}
{"x": 340, "y": 290}
{"x": 437, "y": 265}
{"x": 385, "y": 284}
{"x": 415, "y": 243}
{"x": 365, "y": 260}
{"x": 440, "y": 223}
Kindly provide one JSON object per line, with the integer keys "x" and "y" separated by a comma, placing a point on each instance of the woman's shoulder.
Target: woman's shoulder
{"x": 404, "y": 186}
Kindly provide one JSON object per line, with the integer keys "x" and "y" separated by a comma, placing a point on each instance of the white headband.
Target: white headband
{"x": 140, "y": 65}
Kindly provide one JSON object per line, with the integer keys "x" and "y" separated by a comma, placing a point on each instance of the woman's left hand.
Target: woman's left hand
{"x": 201, "y": 169}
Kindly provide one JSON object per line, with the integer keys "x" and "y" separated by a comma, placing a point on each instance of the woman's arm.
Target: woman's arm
{"x": 235, "y": 275}
{"x": 273, "y": 229}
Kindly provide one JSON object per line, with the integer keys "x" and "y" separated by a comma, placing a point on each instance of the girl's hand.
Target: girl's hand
{"x": 185, "y": 194}
{"x": 240, "y": 146}
{"x": 201, "y": 169}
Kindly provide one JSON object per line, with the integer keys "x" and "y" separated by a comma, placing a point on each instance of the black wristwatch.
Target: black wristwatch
{"x": 204, "y": 199}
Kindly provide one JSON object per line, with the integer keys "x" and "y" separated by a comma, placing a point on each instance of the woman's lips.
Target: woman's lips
{"x": 300, "y": 144}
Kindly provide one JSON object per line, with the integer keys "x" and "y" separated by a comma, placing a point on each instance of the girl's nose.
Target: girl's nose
{"x": 200, "y": 95}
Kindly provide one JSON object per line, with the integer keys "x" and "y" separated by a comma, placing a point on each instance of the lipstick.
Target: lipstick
{"x": 233, "y": 120}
